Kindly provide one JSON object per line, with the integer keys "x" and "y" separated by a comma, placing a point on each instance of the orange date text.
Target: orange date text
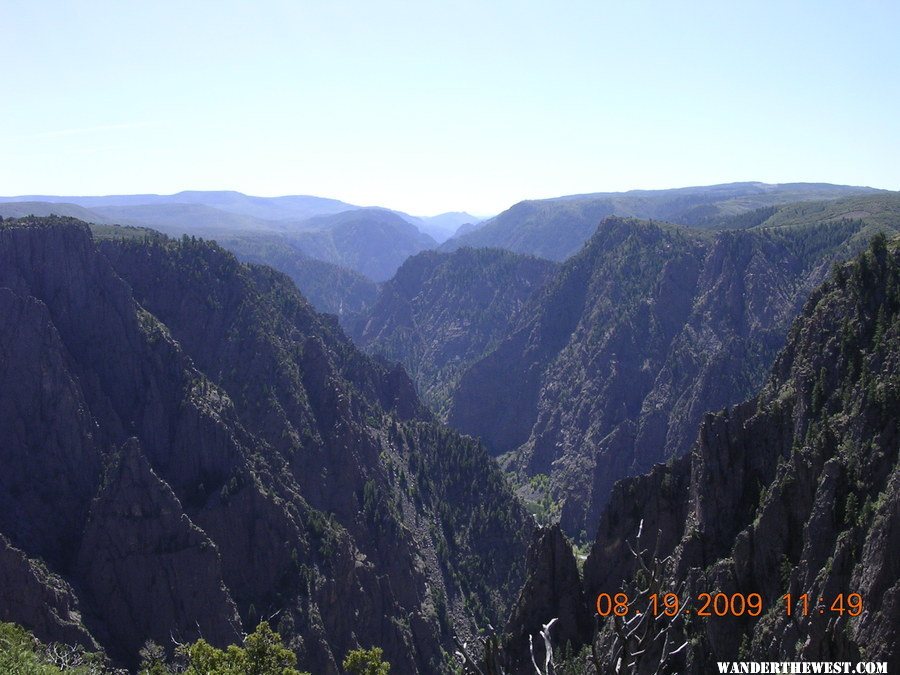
{"x": 725, "y": 604}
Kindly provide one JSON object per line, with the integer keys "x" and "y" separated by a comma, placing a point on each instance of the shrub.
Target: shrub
{"x": 366, "y": 662}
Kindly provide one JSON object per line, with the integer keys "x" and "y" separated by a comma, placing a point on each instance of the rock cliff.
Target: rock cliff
{"x": 190, "y": 448}
{"x": 793, "y": 492}
{"x": 637, "y": 337}
{"x": 442, "y": 312}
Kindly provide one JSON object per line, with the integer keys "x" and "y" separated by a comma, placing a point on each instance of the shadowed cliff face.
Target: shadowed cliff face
{"x": 795, "y": 491}
{"x": 30, "y": 594}
{"x": 442, "y": 312}
{"x": 139, "y": 544}
{"x": 193, "y": 449}
{"x": 552, "y": 580}
{"x": 47, "y": 432}
{"x": 637, "y": 336}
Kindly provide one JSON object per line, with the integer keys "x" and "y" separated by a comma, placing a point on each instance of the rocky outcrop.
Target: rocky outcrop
{"x": 552, "y": 581}
{"x": 647, "y": 512}
{"x": 40, "y": 601}
{"x": 45, "y": 430}
{"x": 139, "y": 544}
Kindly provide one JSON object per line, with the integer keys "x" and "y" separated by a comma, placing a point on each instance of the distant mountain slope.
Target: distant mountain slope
{"x": 373, "y": 242}
{"x": 557, "y": 228}
{"x": 258, "y": 212}
{"x": 441, "y": 312}
{"x": 640, "y": 334}
{"x": 291, "y": 207}
{"x": 878, "y": 209}
{"x": 177, "y": 219}
{"x": 329, "y": 287}
{"x": 465, "y": 228}
{"x": 185, "y": 430}
{"x": 445, "y": 225}
{"x": 298, "y": 207}
{"x": 38, "y": 208}
{"x": 100, "y": 228}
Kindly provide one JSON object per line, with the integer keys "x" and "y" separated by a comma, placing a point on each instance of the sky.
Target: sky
{"x": 429, "y": 106}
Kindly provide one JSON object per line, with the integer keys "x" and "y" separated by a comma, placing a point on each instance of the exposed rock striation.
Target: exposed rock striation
{"x": 32, "y": 595}
{"x": 139, "y": 544}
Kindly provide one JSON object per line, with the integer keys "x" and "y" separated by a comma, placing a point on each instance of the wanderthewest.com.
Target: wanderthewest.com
{"x": 802, "y": 667}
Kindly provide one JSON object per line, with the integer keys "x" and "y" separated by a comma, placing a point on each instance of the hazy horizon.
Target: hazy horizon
{"x": 482, "y": 216}
{"x": 430, "y": 109}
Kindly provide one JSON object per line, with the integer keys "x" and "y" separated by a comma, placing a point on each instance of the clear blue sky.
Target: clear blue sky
{"x": 434, "y": 106}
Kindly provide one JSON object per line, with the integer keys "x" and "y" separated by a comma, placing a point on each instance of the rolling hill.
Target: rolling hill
{"x": 39, "y": 208}
{"x": 298, "y": 207}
